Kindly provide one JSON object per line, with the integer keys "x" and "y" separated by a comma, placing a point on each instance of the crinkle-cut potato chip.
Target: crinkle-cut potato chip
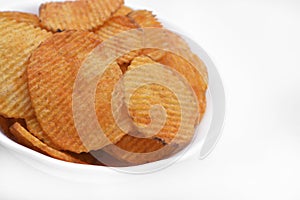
{"x": 158, "y": 88}
{"x": 27, "y": 139}
{"x": 77, "y": 15}
{"x": 115, "y": 26}
{"x": 123, "y": 11}
{"x": 18, "y": 40}
{"x": 52, "y": 72}
{"x": 145, "y": 19}
{"x": 27, "y": 18}
{"x": 153, "y": 94}
{"x": 191, "y": 74}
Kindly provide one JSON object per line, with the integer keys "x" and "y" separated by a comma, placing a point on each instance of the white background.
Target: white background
{"x": 256, "y": 47}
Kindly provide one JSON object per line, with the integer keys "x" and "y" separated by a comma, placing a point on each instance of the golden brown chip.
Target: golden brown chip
{"x": 77, "y": 15}
{"x": 161, "y": 87}
{"x": 27, "y": 139}
{"x": 191, "y": 74}
{"x": 123, "y": 11}
{"x": 141, "y": 94}
{"x": 144, "y": 98}
{"x": 51, "y": 75}
{"x": 27, "y": 18}
{"x": 145, "y": 19}
{"x": 18, "y": 40}
{"x": 51, "y": 88}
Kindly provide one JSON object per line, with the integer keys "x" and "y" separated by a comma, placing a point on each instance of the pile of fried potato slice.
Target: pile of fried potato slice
{"x": 40, "y": 58}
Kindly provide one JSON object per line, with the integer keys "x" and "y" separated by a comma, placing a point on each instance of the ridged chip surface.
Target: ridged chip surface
{"x": 27, "y": 18}
{"x": 77, "y": 15}
{"x": 18, "y": 41}
{"x": 191, "y": 74}
{"x": 147, "y": 84}
{"x": 52, "y": 72}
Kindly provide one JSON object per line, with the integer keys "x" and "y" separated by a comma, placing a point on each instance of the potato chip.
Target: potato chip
{"x": 62, "y": 56}
{"x": 51, "y": 75}
{"x": 145, "y": 19}
{"x": 155, "y": 94}
{"x": 77, "y": 15}
{"x": 141, "y": 94}
{"x": 190, "y": 73}
{"x": 27, "y": 139}
{"x": 123, "y": 11}
{"x": 18, "y": 40}
{"x": 27, "y": 18}
{"x": 161, "y": 87}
